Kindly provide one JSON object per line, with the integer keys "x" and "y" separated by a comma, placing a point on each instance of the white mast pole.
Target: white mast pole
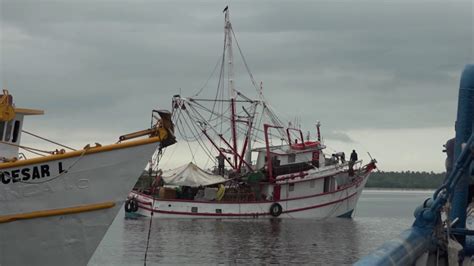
{"x": 230, "y": 55}
{"x": 230, "y": 73}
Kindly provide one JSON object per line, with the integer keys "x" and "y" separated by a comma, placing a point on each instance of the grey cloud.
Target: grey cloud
{"x": 349, "y": 64}
{"x": 341, "y": 136}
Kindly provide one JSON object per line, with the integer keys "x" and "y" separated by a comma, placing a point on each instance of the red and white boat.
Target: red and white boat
{"x": 298, "y": 181}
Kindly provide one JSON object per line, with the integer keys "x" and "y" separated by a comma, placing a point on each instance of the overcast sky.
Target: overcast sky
{"x": 381, "y": 76}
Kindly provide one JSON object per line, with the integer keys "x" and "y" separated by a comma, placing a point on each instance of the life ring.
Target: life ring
{"x": 131, "y": 205}
{"x": 276, "y": 209}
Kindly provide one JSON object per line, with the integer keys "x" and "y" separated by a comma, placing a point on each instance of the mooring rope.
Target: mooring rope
{"x": 26, "y": 148}
{"x": 160, "y": 154}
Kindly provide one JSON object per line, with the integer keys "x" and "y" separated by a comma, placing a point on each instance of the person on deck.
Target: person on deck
{"x": 221, "y": 164}
{"x": 354, "y": 157}
{"x": 352, "y": 161}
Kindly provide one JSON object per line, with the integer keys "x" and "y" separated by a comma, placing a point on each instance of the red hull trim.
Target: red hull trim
{"x": 243, "y": 214}
{"x": 355, "y": 183}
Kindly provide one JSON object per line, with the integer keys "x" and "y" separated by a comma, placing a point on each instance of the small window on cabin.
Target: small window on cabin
{"x": 291, "y": 158}
{"x": 291, "y": 187}
{"x": 312, "y": 183}
{"x": 8, "y": 131}
{"x": 194, "y": 209}
{"x": 16, "y": 131}
{"x": 218, "y": 210}
{"x": 275, "y": 161}
{"x": 2, "y": 129}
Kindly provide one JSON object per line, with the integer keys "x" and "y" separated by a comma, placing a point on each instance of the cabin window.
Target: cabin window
{"x": 8, "y": 132}
{"x": 275, "y": 161}
{"x": 194, "y": 209}
{"x": 291, "y": 187}
{"x": 16, "y": 131}
{"x": 312, "y": 183}
{"x": 2, "y": 129}
{"x": 327, "y": 182}
{"x": 291, "y": 158}
{"x": 218, "y": 210}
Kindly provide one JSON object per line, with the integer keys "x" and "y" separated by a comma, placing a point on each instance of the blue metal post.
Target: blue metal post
{"x": 464, "y": 129}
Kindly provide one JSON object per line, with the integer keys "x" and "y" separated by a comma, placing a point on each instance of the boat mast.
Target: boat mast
{"x": 230, "y": 73}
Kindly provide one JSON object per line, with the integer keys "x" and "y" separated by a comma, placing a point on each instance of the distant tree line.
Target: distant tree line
{"x": 405, "y": 179}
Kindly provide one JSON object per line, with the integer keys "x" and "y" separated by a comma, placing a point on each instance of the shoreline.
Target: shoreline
{"x": 373, "y": 189}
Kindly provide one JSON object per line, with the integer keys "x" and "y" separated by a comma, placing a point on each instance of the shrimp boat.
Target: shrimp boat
{"x": 292, "y": 179}
{"x": 56, "y": 208}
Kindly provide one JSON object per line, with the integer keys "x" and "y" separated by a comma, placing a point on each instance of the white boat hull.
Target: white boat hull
{"x": 340, "y": 202}
{"x": 28, "y": 223}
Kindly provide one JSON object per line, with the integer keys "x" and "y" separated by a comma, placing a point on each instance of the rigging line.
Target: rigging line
{"x": 204, "y": 108}
{"x": 26, "y": 148}
{"x": 245, "y": 62}
{"x": 275, "y": 120}
{"x": 156, "y": 157}
{"x": 255, "y": 134}
{"x": 260, "y": 122}
{"x": 209, "y": 78}
{"x": 183, "y": 135}
{"x": 48, "y": 140}
{"x": 198, "y": 139}
{"x": 208, "y": 159}
{"x": 201, "y": 142}
{"x": 210, "y": 153}
{"x": 202, "y": 145}
{"x": 214, "y": 100}
{"x": 37, "y": 153}
{"x": 221, "y": 74}
{"x": 273, "y": 112}
{"x": 221, "y": 87}
{"x": 168, "y": 158}
{"x": 151, "y": 218}
{"x": 222, "y": 112}
{"x": 213, "y": 129}
{"x": 244, "y": 97}
{"x": 187, "y": 142}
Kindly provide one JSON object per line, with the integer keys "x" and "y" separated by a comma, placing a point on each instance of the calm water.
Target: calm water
{"x": 381, "y": 215}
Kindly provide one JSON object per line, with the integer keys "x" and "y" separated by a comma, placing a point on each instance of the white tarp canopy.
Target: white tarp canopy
{"x": 190, "y": 175}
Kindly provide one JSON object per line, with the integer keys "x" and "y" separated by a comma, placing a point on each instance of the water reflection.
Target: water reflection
{"x": 333, "y": 241}
{"x": 243, "y": 241}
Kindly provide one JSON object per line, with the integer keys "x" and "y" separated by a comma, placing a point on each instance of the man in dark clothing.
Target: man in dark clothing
{"x": 354, "y": 157}
{"x": 220, "y": 164}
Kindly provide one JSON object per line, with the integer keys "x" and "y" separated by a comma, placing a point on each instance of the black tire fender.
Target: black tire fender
{"x": 134, "y": 205}
{"x": 276, "y": 209}
{"x": 131, "y": 205}
{"x": 128, "y": 206}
